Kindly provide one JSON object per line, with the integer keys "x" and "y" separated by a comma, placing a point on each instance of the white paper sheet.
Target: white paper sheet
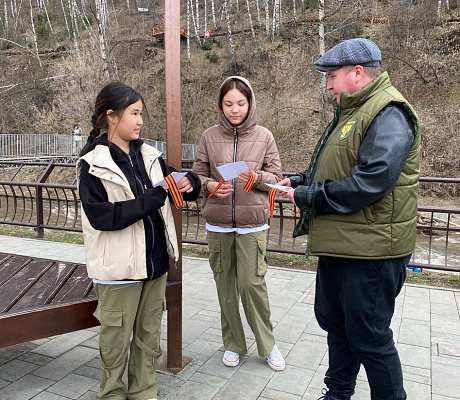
{"x": 176, "y": 175}
{"x": 231, "y": 171}
{"x": 279, "y": 187}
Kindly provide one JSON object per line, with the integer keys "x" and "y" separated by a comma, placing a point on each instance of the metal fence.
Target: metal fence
{"x": 63, "y": 147}
{"x": 30, "y": 196}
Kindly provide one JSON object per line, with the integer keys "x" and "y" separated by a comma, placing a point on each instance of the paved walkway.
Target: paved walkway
{"x": 426, "y": 326}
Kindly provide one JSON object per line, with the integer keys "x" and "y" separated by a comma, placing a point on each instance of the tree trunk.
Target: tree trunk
{"x": 34, "y": 33}
{"x": 188, "y": 31}
{"x": 229, "y": 32}
{"x": 267, "y": 19}
{"x": 250, "y": 19}
{"x": 321, "y": 51}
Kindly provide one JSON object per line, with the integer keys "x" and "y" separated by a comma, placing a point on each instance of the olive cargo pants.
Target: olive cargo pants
{"x": 130, "y": 316}
{"x": 239, "y": 266}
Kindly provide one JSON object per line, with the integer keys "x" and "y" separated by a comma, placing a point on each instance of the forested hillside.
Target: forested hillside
{"x": 56, "y": 55}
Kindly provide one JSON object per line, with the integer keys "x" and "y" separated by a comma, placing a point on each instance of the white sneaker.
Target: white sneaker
{"x": 231, "y": 359}
{"x": 275, "y": 360}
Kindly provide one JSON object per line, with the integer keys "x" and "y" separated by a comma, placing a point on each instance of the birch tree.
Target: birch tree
{"x": 258, "y": 12}
{"x": 5, "y": 22}
{"x": 101, "y": 20}
{"x": 276, "y": 18}
{"x": 188, "y": 31}
{"x": 321, "y": 52}
{"x": 64, "y": 13}
{"x": 34, "y": 33}
{"x": 193, "y": 19}
{"x": 250, "y": 19}
{"x": 205, "y": 18}
{"x": 229, "y": 32}
{"x": 73, "y": 23}
{"x": 267, "y": 18}
{"x": 213, "y": 11}
{"x": 197, "y": 17}
{"x": 43, "y": 5}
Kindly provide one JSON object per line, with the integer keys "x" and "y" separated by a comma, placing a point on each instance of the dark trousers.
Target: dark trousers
{"x": 354, "y": 304}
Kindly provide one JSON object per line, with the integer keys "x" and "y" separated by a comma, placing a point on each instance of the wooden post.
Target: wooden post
{"x": 174, "y": 159}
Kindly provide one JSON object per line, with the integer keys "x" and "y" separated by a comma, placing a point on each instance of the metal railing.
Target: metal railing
{"x": 52, "y": 146}
{"x": 30, "y": 196}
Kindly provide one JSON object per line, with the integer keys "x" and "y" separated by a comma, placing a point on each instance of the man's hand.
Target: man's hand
{"x": 289, "y": 194}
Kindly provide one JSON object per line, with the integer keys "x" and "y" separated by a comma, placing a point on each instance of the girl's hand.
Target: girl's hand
{"x": 224, "y": 191}
{"x": 184, "y": 185}
{"x": 244, "y": 176}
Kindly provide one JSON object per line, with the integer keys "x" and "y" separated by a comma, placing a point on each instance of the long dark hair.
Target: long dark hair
{"x": 115, "y": 96}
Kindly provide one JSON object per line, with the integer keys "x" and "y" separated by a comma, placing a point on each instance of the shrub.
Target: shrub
{"x": 212, "y": 56}
{"x": 206, "y": 46}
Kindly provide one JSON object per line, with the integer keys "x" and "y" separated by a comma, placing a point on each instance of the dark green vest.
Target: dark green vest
{"x": 387, "y": 228}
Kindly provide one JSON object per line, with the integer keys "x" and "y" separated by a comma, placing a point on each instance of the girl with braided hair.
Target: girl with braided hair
{"x": 129, "y": 237}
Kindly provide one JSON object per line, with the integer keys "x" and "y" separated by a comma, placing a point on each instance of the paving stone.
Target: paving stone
{"x": 414, "y": 332}
{"x": 35, "y": 358}
{"x": 290, "y": 328}
{"x": 72, "y": 386}
{"x": 16, "y": 369}
{"x": 203, "y": 346}
{"x": 167, "y": 385}
{"x": 417, "y": 391}
{"x": 89, "y": 372}
{"x": 194, "y": 391}
{"x": 306, "y": 353}
{"x": 63, "y": 343}
{"x": 214, "y": 366}
{"x": 11, "y": 352}
{"x": 3, "y": 383}
{"x": 240, "y": 387}
{"x": 445, "y": 377}
{"x": 212, "y": 380}
{"x": 417, "y": 375}
{"x": 25, "y": 388}
{"x": 67, "y": 363}
{"x": 292, "y": 380}
{"x": 445, "y": 324}
{"x": 272, "y": 394}
{"x": 52, "y": 396}
{"x": 415, "y": 356}
{"x": 446, "y": 350}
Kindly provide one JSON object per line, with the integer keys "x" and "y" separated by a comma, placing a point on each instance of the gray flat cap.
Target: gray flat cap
{"x": 356, "y": 51}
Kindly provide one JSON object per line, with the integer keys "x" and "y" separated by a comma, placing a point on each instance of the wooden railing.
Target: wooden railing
{"x": 30, "y": 196}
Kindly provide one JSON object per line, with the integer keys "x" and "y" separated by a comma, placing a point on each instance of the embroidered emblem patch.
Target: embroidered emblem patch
{"x": 348, "y": 129}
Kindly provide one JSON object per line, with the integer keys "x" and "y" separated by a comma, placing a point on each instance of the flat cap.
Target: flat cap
{"x": 358, "y": 51}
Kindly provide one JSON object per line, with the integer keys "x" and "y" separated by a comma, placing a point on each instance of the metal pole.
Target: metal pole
{"x": 174, "y": 158}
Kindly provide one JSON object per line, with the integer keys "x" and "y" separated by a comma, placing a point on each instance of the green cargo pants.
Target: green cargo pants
{"x": 130, "y": 317}
{"x": 239, "y": 266}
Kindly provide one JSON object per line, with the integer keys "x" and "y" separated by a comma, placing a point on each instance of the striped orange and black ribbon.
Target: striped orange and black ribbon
{"x": 174, "y": 190}
{"x": 216, "y": 188}
{"x": 271, "y": 200}
{"x": 250, "y": 182}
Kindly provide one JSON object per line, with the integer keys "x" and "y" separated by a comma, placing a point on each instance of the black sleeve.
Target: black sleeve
{"x": 106, "y": 216}
{"x": 192, "y": 177}
{"x": 381, "y": 158}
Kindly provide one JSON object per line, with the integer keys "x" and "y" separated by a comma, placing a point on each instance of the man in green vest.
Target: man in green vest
{"x": 358, "y": 202}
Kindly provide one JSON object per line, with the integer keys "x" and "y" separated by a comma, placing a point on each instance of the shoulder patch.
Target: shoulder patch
{"x": 348, "y": 129}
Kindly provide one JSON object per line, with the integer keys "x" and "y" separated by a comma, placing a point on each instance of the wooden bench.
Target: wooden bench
{"x": 41, "y": 298}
